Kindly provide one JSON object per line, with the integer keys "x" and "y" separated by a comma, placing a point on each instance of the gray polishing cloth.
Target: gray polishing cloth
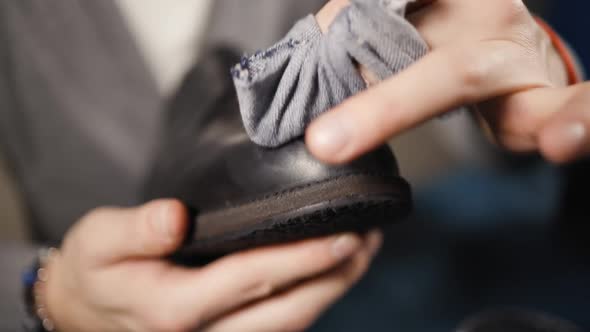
{"x": 281, "y": 90}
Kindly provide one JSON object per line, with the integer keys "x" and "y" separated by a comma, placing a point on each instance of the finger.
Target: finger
{"x": 441, "y": 81}
{"x": 109, "y": 235}
{"x": 418, "y": 5}
{"x": 565, "y": 137}
{"x": 515, "y": 120}
{"x": 188, "y": 299}
{"x": 295, "y": 310}
{"x": 328, "y": 13}
{"x": 246, "y": 277}
{"x": 549, "y": 119}
{"x": 298, "y": 308}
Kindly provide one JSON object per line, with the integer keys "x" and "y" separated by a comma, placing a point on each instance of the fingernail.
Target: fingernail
{"x": 569, "y": 138}
{"x": 330, "y": 136}
{"x": 375, "y": 241}
{"x": 345, "y": 246}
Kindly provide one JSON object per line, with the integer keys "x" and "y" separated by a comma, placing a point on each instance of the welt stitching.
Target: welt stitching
{"x": 281, "y": 193}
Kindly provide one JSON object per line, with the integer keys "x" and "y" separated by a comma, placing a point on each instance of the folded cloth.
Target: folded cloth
{"x": 281, "y": 90}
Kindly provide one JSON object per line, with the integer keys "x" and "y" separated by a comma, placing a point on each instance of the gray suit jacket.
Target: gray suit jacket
{"x": 80, "y": 113}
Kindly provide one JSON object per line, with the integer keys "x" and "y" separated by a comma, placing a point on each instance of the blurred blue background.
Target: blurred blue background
{"x": 570, "y": 18}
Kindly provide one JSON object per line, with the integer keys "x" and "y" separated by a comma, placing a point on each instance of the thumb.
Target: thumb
{"x": 109, "y": 235}
{"x": 566, "y": 135}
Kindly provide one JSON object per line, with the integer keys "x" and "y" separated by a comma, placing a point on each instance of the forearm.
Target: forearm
{"x": 14, "y": 259}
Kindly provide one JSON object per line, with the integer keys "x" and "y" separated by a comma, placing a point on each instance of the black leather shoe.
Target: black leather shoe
{"x": 249, "y": 196}
{"x": 516, "y": 320}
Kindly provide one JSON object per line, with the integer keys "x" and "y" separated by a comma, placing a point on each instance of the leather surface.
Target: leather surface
{"x": 207, "y": 160}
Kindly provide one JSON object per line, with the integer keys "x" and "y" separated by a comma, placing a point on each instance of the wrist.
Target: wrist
{"x": 36, "y": 284}
{"x": 54, "y": 304}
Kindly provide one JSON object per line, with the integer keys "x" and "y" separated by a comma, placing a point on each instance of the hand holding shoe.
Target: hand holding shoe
{"x": 111, "y": 276}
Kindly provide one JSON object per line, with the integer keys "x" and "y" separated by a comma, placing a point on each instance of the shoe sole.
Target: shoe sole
{"x": 350, "y": 203}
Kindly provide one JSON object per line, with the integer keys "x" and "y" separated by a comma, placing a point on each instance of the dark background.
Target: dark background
{"x": 570, "y": 18}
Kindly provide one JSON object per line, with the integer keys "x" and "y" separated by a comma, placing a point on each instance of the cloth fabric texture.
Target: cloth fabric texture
{"x": 281, "y": 90}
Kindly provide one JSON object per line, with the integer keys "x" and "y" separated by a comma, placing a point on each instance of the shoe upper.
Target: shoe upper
{"x": 207, "y": 160}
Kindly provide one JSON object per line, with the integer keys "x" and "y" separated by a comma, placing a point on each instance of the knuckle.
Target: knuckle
{"x": 141, "y": 229}
{"x": 576, "y": 104}
{"x": 77, "y": 236}
{"x": 259, "y": 289}
{"x": 141, "y": 216}
{"x": 95, "y": 214}
{"x": 78, "y": 246}
{"x": 87, "y": 222}
{"x": 510, "y": 12}
{"x": 472, "y": 71}
{"x": 582, "y": 91}
{"x": 145, "y": 230}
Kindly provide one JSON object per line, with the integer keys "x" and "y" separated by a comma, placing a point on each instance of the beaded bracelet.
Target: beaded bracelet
{"x": 34, "y": 281}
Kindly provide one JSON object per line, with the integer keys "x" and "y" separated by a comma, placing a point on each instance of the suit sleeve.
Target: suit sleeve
{"x": 14, "y": 259}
